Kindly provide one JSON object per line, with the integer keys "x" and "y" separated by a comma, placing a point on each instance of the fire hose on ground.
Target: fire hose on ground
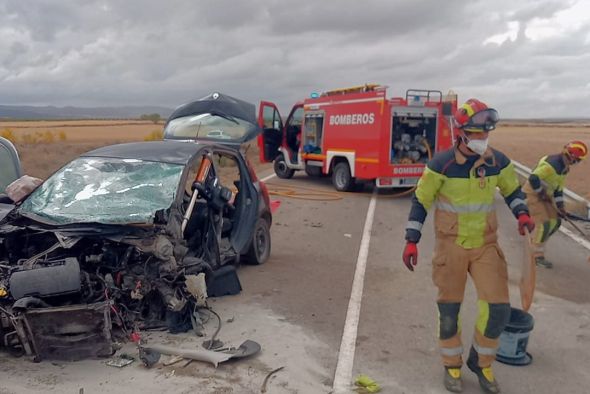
{"x": 315, "y": 194}
{"x": 302, "y": 193}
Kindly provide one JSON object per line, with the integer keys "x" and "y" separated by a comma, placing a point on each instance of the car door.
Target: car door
{"x": 272, "y": 137}
{"x": 247, "y": 200}
{"x": 10, "y": 168}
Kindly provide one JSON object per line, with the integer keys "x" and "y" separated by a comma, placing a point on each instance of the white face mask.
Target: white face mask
{"x": 478, "y": 146}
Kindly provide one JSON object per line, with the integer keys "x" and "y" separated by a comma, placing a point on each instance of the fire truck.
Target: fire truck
{"x": 358, "y": 134}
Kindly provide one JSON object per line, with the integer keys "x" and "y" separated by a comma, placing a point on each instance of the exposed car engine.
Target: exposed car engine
{"x": 138, "y": 277}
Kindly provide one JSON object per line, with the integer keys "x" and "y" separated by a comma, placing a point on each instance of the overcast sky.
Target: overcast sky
{"x": 527, "y": 58}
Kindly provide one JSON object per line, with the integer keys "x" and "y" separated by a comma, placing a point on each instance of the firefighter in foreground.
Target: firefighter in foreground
{"x": 544, "y": 190}
{"x": 461, "y": 183}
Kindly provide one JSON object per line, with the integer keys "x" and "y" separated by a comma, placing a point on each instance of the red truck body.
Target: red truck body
{"x": 358, "y": 134}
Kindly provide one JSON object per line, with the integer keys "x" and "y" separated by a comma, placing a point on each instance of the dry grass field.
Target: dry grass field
{"x": 41, "y": 158}
{"x": 528, "y": 143}
{"x": 522, "y": 142}
{"x": 45, "y": 146}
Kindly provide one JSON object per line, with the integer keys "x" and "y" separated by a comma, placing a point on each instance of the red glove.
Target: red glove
{"x": 524, "y": 220}
{"x": 410, "y": 255}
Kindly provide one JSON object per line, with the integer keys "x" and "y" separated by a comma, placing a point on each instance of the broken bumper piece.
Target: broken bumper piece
{"x": 150, "y": 354}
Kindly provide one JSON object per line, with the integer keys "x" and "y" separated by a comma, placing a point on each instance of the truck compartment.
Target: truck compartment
{"x": 413, "y": 135}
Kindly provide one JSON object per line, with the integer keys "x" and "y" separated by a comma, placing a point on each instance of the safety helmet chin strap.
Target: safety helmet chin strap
{"x": 570, "y": 160}
{"x": 463, "y": 137}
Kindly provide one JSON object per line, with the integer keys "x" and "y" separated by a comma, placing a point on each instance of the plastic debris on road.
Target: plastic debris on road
{"x": 122, "y": 361}
{"x": 368, "y": 384}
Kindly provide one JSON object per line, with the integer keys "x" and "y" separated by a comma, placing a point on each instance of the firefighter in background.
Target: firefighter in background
{"x": 461, "y": 184}
{"x": 544, "y": 190}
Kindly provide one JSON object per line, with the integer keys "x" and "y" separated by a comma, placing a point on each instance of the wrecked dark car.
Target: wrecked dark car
{"x": 131, "y": 237}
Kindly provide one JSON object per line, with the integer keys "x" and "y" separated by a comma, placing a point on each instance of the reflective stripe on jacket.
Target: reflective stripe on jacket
{"x": 462, "y": 190}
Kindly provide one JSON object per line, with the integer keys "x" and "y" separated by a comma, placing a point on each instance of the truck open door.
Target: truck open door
{"x": 271, "y": 139}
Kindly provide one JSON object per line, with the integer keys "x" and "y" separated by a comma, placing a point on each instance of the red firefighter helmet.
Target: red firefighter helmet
{"x": 576, "y": 150}
{"x": 475, "y": 116}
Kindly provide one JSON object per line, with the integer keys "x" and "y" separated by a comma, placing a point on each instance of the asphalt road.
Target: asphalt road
{"x": 296, "y": 306}
{"x": 312, "y": 270}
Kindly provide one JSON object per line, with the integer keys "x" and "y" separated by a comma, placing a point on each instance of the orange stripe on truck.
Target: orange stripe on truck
{"x": 313, "y": 156}
{"x": 367, "y": 160}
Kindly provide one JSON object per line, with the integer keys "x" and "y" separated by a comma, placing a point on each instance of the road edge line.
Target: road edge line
{"x": 584, "y": 243}
{"x": 266, "y": 178}
{"x": 344, "y": 366}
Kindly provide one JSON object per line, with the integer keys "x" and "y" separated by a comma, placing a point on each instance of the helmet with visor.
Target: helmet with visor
{"x": 475, "y": 117}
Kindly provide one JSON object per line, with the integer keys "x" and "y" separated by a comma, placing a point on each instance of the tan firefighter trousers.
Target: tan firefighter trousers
{"x": 546, "y": 220}
{"x": 487, "y": 267}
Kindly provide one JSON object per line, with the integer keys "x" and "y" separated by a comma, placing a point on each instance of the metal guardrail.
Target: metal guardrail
{"x": 525, "y": 172}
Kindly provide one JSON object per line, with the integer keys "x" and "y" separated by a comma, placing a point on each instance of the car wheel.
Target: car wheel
{"x": 281, "y": 169}
{"x": 341, "y": 178}
{"x": 259, "y": 250}
{"x": 313, "y": 171}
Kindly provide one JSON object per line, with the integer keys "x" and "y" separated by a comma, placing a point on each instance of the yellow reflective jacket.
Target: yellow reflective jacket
{"x": 549, "y": 176}
{"x": 462, "y": 189}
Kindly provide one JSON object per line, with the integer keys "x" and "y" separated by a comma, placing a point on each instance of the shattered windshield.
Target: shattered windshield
{"x": 105, "y": 190}
{"x": 208, "y": 126}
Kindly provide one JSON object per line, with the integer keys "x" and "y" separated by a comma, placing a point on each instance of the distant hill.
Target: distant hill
{"x": 51, "y": 112}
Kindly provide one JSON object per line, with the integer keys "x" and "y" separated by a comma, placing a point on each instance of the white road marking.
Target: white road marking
{"x": 266, "y": 178}
{"x": 343, "y": 374}
{"x": 575, "y": 237}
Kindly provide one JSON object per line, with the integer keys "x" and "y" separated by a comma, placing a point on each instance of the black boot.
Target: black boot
{"x": 541, "y": 261}
{"x": 452, "y": 380}
{"x": 487, "y": 381}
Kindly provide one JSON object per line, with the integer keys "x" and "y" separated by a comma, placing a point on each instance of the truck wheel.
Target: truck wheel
{"x": 259, "y": 250}
{"x": 281, "y": 169}
{"x": 313, "y": 171}
{"x": 341, "y": 178}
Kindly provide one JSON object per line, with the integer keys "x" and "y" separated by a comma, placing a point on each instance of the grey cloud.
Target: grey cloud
{"x": 42, "y": 19}
{"x": 350, "y": 17}
{"x": 540, "y": 9}
{"x": 17, "y": 48}
{"x": 149, "y": 52}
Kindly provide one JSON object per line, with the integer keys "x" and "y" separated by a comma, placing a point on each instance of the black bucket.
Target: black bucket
{"x": 515, "y": 338}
